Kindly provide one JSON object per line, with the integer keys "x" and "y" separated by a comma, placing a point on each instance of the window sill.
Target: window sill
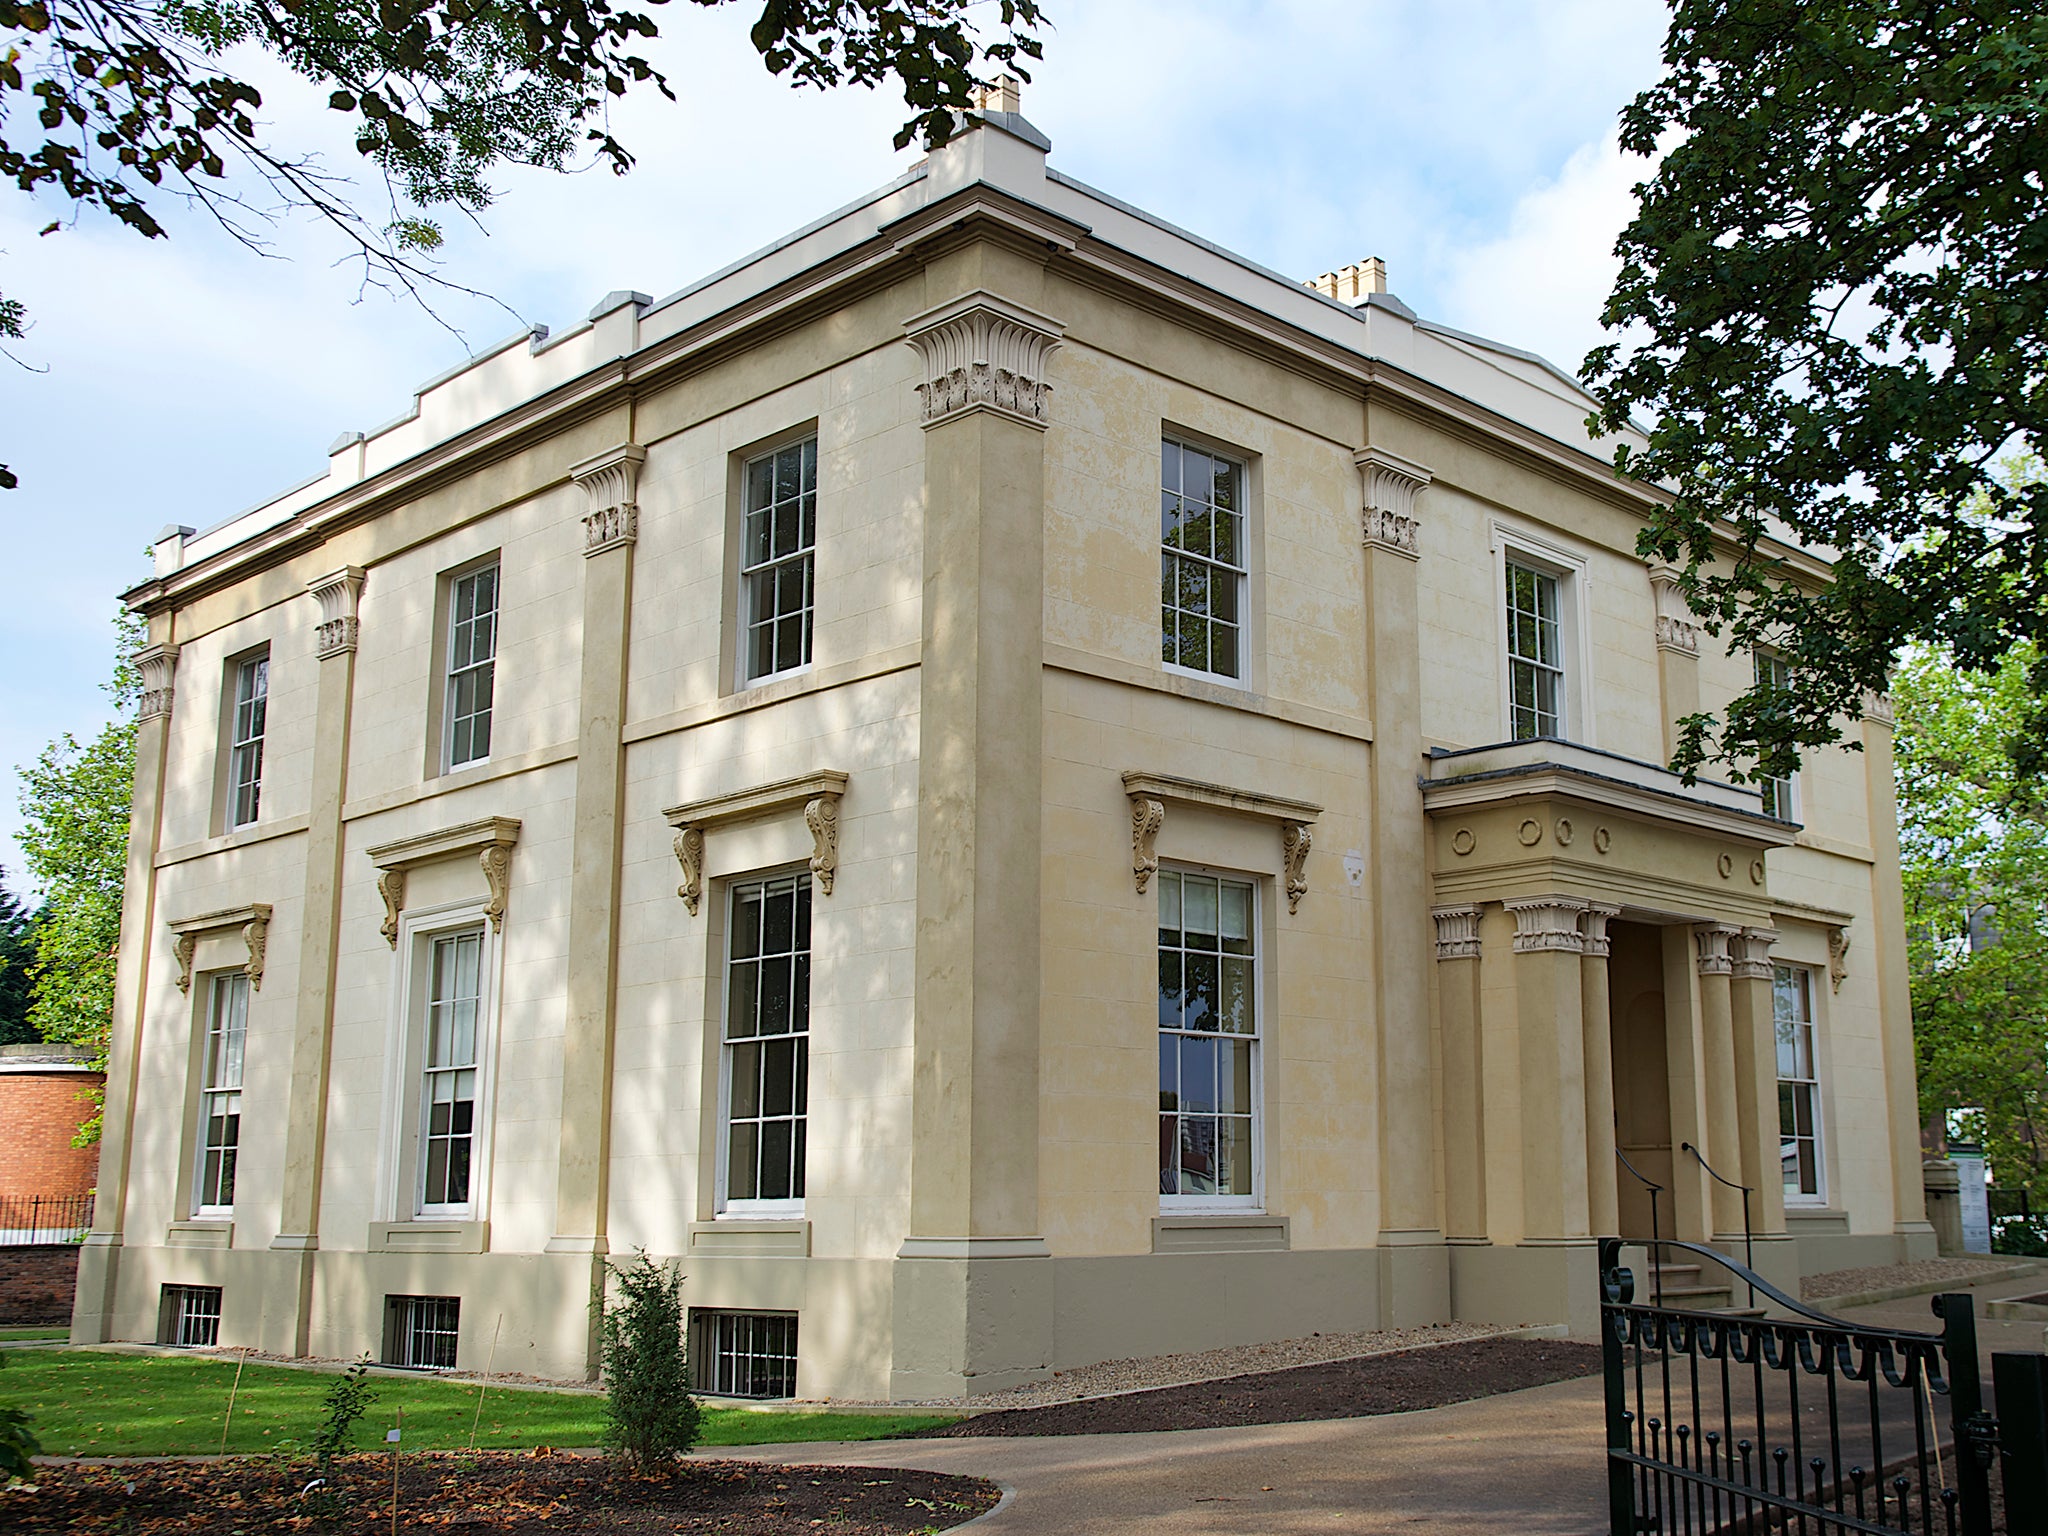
{"x": 209, "y": 1231}
{"x": 756, "y": 1237}
{"x": 1833, "y": 1219}
{"x": 430, "y": 1234}
{"x": 1220, "y": 1232}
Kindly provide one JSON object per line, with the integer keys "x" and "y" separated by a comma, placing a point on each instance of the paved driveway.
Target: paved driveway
{"x": 1524, "y": 1462}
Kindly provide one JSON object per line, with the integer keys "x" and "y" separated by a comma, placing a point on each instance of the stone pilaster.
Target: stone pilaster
{"x": 287, "y": 1301}
{"x": 1457, "y": 983}
{"x": 99, "y": 1258}
{"x": 1550, "y": 1014}
{"x": 1756, "y": 1075}
{"x": 1678, "y": 653}
{"x": 1722, "y": 1146}
{"x": 972, "y": 1295}
{"x": 609, "y": 482}
{"x": 1412, "y": 1286}
{"x": 1603, "y": 1200}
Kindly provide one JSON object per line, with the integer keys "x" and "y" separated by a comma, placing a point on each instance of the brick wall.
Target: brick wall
{"x": 36, "y": 1285}
{"x": 39, "y": 1114}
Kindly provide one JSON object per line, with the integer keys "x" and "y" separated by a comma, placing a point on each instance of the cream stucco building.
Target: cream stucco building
{"x": 1007, "y": 786}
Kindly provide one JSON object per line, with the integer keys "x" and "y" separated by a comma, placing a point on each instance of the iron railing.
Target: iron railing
{"x": 1719, "y": 1423}
{"x": 1656, "y": 1234}
{"x": 1748, "y": 1233}
{"x": 28, "y": 1220}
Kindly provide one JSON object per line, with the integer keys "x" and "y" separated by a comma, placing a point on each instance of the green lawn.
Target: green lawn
{"x": 87, "y": 1403}
{"x": 22, "y": 1335}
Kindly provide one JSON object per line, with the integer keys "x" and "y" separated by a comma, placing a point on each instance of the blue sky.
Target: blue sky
{"x": 1470, "y": 145}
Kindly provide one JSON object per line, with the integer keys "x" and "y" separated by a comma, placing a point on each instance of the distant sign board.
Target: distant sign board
{"x": 1975, "y": 1201}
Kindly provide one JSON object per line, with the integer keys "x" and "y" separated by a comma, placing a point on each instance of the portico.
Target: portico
{"x": 1603, "y": 984}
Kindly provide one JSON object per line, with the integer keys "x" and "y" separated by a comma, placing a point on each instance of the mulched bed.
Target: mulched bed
{"x": 492, "y": 1493}
{"x": 1340, "y": 1389}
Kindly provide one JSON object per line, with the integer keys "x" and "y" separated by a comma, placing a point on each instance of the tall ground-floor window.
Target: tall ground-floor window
{"x": 220, "y": 1094}
{"x": 448, "y": 1073}
{"x": 1798, "y": 1085}
{"x": 1208, "y": 1040}
{"x": 767, "y": 1045}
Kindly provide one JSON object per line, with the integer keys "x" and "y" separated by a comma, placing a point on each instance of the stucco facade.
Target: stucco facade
{"x": 1460, "y": 959}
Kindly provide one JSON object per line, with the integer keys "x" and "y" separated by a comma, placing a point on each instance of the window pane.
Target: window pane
{"x": 1197, "y": 1155}
{"x": 1169, "y": 989}
{"x": 743, "y": 1164}
{"x": 1234, "y": 1081}
{"x": 1199, "y": 895}
{"x": 746, "y": 1081}
{"x": 1169, "y": 1072}
{"x": 1169, "y": 907}
{"x": 1197, "y": 1075}
{"x": 1235, "y": 1005}
{"x": 1234, "y": 1155}
{"x": 1202, "y": 1003}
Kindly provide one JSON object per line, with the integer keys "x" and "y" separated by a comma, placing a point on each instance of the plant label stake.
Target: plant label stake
{"x": 488, "y": 1365}
{"x": 394, "y": 1436}
{"x": 228, "y": 1422}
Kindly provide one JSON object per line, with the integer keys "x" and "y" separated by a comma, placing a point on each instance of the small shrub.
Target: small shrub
{"x": 18, "y": 1442}
{"x": 650, "y": 1417}
{"x": 346, "y": 1402}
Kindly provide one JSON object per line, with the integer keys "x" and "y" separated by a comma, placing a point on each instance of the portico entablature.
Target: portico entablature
{"x": 1543, "y": 818}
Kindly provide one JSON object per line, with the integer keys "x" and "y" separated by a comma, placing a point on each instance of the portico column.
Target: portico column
{"x": 1457, "y": 991}
{"x": 611, "y": 527}
{"x": 1550, "y": 1018}
{"x": 1756, "y": 1076}
{"x": 1413, "y": 1285}
{"x": 99, "y": 1257}
{"x": 287, "y": 1315}
{"x": 1678, "y": 653}
{"x": 1603, "y": 1199}
{"x": 972, "y": 1312}
{"x": 1717, "y": 1035}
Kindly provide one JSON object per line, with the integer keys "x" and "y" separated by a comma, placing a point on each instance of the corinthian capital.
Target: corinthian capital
{"x": 982, "y": 353}
{"x": 158, "y": 665}
{"x": 610, "y": 482}
{"x": 1391, "y": 485}
{"x": 1548, "y": 923}
{"x": 1677, "y": 629}
{"x": 338, "y": 593}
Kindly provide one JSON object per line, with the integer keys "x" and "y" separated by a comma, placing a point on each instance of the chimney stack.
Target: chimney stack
{"x": 1002, "y": 94}
{"x": 1350, "y": 285}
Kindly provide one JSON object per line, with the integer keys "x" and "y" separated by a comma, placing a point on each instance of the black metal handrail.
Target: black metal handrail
{"x": 1656, "y": 1274}
{"x": 1748, "y": 1237}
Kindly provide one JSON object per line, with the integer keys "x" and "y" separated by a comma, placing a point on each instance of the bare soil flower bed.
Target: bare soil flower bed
{"x": 1337, "y": 1389}
{"x": 490, "y": 1493}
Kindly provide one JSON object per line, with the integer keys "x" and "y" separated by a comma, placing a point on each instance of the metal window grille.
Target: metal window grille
{"x": 767, "y": 1038}
{"x": 220, "y": 1098}
{"x": 1202, "y": 560}
{"x": 420, "y": 1332}
{"x": 448, "y": 1071}
{"x": 1208, "y": 1036}
{"x": 778, "y": 574}
{"x": 472, "y": 665}
{"x": 190, "y": 1316}
{"x": 745, "y": 1354}
{"x": 1774, "y": 673}
{"x": 1535, "y": 655}
{"x": 1799, "y": 1149}
{"x": 245, "y": 751}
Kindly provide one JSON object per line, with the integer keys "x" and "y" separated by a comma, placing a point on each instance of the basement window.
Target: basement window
{"x": 420, "y": 1331}
{"x": 188, "y": 1317}
{"x": 744, "y": 1354}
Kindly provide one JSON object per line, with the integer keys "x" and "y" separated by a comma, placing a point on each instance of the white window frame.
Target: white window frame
{"x": 1184, "y": 1204}
{"x": 1812, "y": 1085}
{"x": 245, "y": 747}
{"x": 221, "y": 986}
{"x": 1781, "y": 795}
{"x": 804, "y": 556}
{"x": 1574, "y": 627}
{"x": 451, "y": 674}
{"x": 747, "y": 1207}
{"x": 1240, "y": 463}
{"x": 402, "y": 1129}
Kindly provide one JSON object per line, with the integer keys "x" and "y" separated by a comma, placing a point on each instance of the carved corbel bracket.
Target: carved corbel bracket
{"x": 1878, "y": 707}
{"x": 1391, "y": 485}
{"x": 1838, "y": 957}
{"x": 158, "y": 665}
{"x": 339, "y": 594}
{"x": 1151, "y": 793}
{"x": 815, "y": 796}
{"x": 982, "y": 353}
{"x": 611, "y": 483}
{"x": 252, "y": 920}
{"x": 1677, "y": 630}
{"x": 491, "y": 840}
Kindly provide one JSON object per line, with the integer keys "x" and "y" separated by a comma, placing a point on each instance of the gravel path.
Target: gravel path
{"x": 1847, "y": 1282}
{"x": 1208, "y": 1365}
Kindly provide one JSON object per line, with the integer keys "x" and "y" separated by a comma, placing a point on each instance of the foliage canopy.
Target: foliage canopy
{"x": 1833, "y": 303}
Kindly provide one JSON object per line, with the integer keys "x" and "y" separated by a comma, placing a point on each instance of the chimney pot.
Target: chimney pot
{"x": 1350, "y": 285}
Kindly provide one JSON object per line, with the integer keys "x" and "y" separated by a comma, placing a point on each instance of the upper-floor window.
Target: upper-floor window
{"x": 448, "y": 1070}
{"x": 1202, "y": 561}
{"x": 767, "y": 1045}
{"x": 245, "y": 739}
{"x": 1208, "y": 1040}
{"x": 1799, "y": 1138}
{"x": 472, "y": 664}
{"x": 779, "y": 537}
{"x": 220, "y": 1092}
{"x": 1780, "y": 792}
{"x": 1536, "y": 675}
